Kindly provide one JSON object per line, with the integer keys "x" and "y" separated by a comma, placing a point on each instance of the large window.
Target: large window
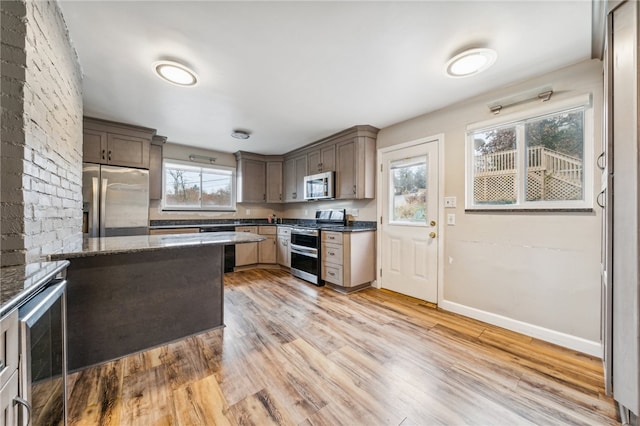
{"x": 191, "y": 187}
{"x": 536, "y": 162}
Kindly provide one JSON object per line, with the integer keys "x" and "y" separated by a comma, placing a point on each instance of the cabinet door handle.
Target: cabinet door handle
{"x": 109, "y": 155}
{"x": 264, "y": 197}
{"x": 103, "y": 154}
{"x": 354, "y": 190}
{"x": 17, "y": 400}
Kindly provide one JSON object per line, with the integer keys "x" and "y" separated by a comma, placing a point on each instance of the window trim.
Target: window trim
{"x": 214, "y": 167}
{"x": 548, "y": 108}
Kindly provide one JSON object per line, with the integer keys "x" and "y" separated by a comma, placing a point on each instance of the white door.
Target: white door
{"x": 409, "y": 253}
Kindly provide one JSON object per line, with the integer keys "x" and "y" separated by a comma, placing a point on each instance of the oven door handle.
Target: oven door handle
{"x": 304, "y": 251}
{"x": 17, "y": 400}
{"x": 34, "y": 314}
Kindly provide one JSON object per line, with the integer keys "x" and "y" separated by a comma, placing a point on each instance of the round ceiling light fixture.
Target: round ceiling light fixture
{"x": 240, "y": 134}
{"x": 175, "y": 73}
{"x": 470, "y": 62}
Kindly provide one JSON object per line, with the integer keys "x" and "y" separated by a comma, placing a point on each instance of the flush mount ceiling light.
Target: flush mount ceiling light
{"x": 240, "y": 134}
{"x": 470, "y": 62}
{"x": 175, "y": 73}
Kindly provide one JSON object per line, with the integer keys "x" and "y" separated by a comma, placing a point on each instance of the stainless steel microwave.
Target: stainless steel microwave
{"x": 319, "y": 186}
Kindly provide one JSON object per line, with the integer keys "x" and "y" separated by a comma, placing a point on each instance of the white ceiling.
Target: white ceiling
{"x": 292, "y": 72}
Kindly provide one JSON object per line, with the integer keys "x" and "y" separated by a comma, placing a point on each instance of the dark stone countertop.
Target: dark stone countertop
{"x": 140, "y": 243}
{"x": 19, "y": 283}
{"x": 357, "y": 226}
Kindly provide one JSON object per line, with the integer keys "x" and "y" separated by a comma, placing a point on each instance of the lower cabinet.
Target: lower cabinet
{"x": 247, "y": 254}
{"x": 8, "y": 409}
{"x": 263, "y": 252}
{"x": 284, "y": 250}
{"x": 267, "y": 248}
{"x": 348, "y": 258}
{"x": 9, "y": 359}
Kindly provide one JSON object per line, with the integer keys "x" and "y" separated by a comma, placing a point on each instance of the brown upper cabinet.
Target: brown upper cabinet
{"x": 295, "y": 169}
{"x": 274, "y": 181}
{"x": 259, "y": 178}
{"x": 350, "y": 153}
{"x": 355, "y": 166}
{"x": 155, "y": 167}
{"x": 322, "y": 159}
{"x": 117, "y": 144}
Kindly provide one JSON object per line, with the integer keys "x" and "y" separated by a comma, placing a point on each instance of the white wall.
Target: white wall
{"x": 536, "y": 273}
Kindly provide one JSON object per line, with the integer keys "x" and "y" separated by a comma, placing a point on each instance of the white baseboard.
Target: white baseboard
{"x": 566, "y": 340}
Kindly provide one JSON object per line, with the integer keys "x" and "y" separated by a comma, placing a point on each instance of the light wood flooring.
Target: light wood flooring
{"x": 295, "y": 354}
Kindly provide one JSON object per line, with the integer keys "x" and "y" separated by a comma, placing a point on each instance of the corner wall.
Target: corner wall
{"x": 536, "y": 273}
{"x": 42, "y": 139}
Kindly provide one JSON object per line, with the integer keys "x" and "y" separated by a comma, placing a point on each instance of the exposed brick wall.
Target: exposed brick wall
{"x": 12, "y": 69}
{"x": 42, "y": 154}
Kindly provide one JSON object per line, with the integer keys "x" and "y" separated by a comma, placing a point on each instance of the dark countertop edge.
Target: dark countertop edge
{"x": 23, "y": 296}
{"x": 359, "y": 227}
{"x": 128, "y": 250}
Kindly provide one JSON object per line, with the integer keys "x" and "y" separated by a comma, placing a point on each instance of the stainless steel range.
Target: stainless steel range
{"x": 305, "y": 245}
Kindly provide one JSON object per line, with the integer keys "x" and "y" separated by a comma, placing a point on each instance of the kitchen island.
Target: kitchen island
{"x": 128, "y": 294}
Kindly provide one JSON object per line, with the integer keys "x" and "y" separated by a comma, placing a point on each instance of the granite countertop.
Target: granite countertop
{"x": 358, "y": 226}
{"x": 19, "y": 283}
{"x": 140, "y": 243}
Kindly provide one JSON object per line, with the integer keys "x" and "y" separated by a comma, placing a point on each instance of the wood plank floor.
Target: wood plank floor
{"x": 295, "y": 354}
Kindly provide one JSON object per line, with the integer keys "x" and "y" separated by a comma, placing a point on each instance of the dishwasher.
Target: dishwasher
{"x": 229, "y": 250}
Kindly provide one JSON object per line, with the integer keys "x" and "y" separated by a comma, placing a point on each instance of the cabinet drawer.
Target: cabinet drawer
{"x": 332, "y": 237}
{"x": 332, "y": 273}
{"x": 284, "y": 231}
{"x": 332, "y": 253}
{"x": 8, "y": 346}
{"x": 253, "y": 229}
{"x": 267, "y": 230}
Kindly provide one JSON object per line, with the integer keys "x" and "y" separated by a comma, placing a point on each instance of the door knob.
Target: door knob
{"x": 432, "y": 234}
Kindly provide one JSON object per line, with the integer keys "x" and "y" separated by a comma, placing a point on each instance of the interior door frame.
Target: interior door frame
{"x": 439, "y": 140}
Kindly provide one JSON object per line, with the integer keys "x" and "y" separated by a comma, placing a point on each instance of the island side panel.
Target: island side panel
{"x": 123, "y": 303}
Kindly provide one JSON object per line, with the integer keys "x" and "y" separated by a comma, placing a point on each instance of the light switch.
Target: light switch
{"x": 449, "y": 202}
{"x": 451, "y": 219}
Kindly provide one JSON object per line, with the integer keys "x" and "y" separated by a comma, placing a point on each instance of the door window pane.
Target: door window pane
{"x": 408, "y": 190}
{"x": 495, "y": 159}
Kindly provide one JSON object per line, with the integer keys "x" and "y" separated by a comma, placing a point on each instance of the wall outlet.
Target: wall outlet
{"x": 354, "y": 212}
{"x": 306, "y": 212}
{"x": 449, "y": 202}
{"x": 247, "y": 211}
{"x": 451, "y": 219}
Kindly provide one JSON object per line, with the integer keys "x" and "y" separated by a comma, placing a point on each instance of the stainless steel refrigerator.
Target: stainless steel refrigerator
{"x": 115, "y": 201}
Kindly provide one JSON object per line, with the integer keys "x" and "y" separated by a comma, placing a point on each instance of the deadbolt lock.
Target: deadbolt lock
{"x": 432, "y": 223}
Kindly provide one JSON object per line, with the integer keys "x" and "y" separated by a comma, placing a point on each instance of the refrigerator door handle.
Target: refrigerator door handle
{"x": 93, "y": 225}
{"x": 103, "y": 206}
